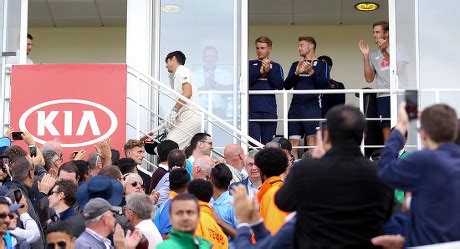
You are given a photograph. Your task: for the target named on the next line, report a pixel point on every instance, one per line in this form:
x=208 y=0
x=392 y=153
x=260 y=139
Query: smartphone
x=33 y=151
x=412 y=104
x=17 y=195
x=17 y=135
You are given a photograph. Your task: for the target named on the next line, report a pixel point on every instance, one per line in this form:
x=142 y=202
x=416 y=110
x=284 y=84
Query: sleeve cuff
x=242 y=225
x=25 y=216
x=257 y=222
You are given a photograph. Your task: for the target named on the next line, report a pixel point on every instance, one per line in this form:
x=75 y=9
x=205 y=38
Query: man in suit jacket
x=100 y=223
x=340 y=201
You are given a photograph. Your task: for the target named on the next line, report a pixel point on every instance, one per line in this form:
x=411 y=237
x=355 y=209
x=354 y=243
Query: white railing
x=162 y=88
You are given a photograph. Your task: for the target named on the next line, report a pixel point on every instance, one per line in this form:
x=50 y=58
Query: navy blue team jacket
x=273 y=80
x=318 y=80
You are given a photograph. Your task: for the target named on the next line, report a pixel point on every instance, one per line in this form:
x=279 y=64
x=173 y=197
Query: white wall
x=340 y=42
x=79 y=45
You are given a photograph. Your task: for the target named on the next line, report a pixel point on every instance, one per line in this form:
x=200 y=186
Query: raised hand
x=364 y=48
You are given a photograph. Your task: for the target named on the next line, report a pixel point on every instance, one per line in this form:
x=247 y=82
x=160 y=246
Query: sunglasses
x=60 y=245
x=134 y=184
x=4 y=215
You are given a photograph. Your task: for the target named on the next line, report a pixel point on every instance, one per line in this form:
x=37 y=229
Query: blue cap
x=5 y=143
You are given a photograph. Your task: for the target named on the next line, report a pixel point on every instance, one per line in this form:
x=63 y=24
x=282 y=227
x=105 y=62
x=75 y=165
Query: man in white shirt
x=182 y=121
x=139 y=208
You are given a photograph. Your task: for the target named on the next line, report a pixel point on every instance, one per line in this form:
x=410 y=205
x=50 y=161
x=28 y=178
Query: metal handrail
x=160 y=86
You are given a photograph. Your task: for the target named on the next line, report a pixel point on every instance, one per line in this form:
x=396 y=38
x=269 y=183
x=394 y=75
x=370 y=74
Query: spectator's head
x=99 y=216
x=139 y=207
x=58 y=235
x=94 y=164
x=345 y=124
x=14 y=152
x=306 y=45
x=52 y=154
x=251 y=167
x=178 y=180
x=164 y=148
x=184 y=213
x=4 y=216
x=271 y=162
x=112 y=172
x=284 y=144
x=263 y=47
x=328 y=60
x=221 y=176
x=173 y=60
x=133 y=183
x=63 y=195
x=234 y=155
x=126 y=165
x=68 y=171
x=381 y=30
x=434 y=131
x=201 y=144
x=176 y=158
x=201 y=168
x=134 y=149
x=22 y=171
x=100 y=186
x=201 y=189
x=82 y=170
x=30 y=43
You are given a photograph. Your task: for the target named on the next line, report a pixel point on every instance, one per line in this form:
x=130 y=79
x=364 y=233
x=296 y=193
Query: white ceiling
x=84 y=13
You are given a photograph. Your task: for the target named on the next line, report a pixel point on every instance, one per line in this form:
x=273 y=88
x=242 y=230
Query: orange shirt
x=208 y=228
x=272 y=215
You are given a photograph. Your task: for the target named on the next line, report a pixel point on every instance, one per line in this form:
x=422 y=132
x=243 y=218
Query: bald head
x=234 y=155
x=202 y=167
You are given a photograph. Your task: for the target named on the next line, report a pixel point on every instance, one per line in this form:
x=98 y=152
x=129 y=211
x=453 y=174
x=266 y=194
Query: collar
x=272 y=181
x=67 y=213
x=163 y=166
x=98 y=237
x=223 y=198
x=183 y=236
x=204 y=207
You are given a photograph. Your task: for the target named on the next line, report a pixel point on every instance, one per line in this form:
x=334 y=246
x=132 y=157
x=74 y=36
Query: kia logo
x=69 y=118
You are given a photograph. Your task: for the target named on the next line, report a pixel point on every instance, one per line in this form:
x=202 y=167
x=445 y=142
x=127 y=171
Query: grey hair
x=204 y=167
x=251 y=154
x=51 y=153
x=140 y=204
x=92 y=159
x=97 y=218
x=273 y=145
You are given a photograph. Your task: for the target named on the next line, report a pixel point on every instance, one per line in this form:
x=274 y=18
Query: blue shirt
x=161 y=219
x=433 y=177
x=188 y=167
x=224 y=209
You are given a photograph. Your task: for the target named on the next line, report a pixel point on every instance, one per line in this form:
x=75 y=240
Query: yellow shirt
x=208 y=228
x=272 y=215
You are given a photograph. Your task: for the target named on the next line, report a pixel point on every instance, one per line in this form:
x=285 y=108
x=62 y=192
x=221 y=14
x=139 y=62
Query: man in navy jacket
x=264 y=74
x=307 y=74
x=432 y=175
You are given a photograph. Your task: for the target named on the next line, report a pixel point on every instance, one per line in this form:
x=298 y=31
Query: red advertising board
x=76 y=105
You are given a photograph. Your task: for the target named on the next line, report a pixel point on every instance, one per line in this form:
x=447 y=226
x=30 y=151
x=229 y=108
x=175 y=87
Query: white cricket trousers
x=188 y=122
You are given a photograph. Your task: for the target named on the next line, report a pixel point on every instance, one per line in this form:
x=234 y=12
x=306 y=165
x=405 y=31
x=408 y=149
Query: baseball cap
x=96 y=207
x=284 y=143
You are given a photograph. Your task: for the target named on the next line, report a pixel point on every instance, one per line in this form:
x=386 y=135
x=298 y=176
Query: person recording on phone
x=330 y=100
x=430 y=174
x=307 y=74
x=264 y=74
